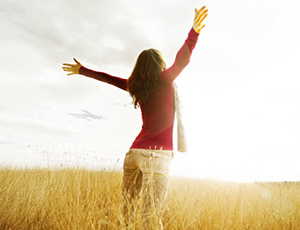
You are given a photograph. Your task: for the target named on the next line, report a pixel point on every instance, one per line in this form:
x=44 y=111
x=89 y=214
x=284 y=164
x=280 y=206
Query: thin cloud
x=86 y=115
x=122 y=104
x=4 y=143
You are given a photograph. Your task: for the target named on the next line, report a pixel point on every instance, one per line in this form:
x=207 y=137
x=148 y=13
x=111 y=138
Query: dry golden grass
x=81 y=199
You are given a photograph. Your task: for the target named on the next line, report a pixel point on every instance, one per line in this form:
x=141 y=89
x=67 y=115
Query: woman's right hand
x=200 y=15
x=72 y=68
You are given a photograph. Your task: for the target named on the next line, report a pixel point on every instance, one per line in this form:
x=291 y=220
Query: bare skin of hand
x=200 y=15
x=72 y=68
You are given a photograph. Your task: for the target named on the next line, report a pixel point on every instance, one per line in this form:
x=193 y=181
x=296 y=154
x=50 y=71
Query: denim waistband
x=156 y=153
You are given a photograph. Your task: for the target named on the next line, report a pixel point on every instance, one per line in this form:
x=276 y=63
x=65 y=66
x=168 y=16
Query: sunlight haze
x=240 y=91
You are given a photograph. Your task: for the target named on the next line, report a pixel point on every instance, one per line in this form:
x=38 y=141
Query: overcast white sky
x=241 y=91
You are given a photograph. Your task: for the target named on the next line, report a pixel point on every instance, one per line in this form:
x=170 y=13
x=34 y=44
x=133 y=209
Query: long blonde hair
x=145 y=76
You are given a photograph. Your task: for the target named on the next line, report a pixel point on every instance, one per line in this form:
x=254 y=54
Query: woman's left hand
x=72 y=68
x=200 y=15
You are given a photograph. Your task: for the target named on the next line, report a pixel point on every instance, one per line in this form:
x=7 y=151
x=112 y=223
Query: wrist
x=195 y=30
x=80 y=70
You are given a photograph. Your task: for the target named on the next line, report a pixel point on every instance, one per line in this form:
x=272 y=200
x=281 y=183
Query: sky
x=240 y=92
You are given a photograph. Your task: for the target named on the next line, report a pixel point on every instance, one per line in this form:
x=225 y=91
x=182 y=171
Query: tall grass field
x=82 y=199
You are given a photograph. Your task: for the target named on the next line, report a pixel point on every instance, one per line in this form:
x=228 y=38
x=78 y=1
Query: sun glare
x=232 y=136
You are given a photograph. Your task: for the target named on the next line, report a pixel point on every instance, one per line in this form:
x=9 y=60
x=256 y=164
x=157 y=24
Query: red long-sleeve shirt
x=157 y=111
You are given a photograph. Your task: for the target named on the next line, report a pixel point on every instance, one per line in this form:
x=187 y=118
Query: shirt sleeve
x=104 y=77
x=182 y=58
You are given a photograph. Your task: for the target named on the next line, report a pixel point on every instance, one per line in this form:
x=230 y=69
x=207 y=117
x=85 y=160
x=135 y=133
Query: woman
x=146 y=164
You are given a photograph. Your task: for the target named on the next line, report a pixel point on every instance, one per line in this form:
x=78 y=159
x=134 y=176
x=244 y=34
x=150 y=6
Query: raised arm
x=100 y=76
x=183 y=55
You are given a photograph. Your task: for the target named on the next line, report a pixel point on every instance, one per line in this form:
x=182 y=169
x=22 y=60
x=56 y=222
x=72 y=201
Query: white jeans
x=146 y=175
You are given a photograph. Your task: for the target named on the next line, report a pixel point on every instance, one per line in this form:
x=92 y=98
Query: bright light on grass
x=81 y=199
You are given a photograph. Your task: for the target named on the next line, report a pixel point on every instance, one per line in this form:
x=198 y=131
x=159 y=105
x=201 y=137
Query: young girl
x=146 y=164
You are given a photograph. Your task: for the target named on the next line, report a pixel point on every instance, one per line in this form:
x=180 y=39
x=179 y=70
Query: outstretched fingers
x=204 y=16
x=68 y=69
x=66 y=64
x=201 y=15
x=72 y=68
x=76 y=61
x=202 y=8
